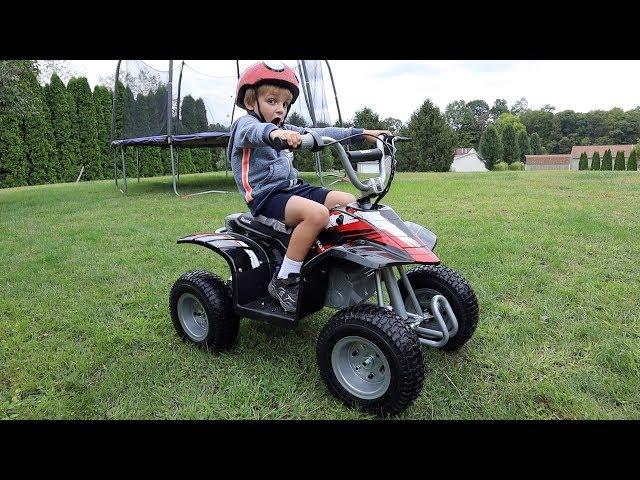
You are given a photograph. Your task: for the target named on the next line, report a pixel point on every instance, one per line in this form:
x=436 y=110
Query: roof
x=577 y=150
x=548 y=159
x=463 y=151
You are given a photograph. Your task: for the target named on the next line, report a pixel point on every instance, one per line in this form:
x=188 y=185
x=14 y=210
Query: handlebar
x=384 y=144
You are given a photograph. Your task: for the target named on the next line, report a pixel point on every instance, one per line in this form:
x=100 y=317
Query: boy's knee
x=320 y=216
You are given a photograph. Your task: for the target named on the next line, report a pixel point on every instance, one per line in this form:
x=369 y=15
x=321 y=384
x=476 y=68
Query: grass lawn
x=85 y=331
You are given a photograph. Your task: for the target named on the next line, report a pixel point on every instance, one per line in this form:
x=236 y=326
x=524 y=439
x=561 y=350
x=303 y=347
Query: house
x=577 y=150
x=548 y=162
x=467 y=160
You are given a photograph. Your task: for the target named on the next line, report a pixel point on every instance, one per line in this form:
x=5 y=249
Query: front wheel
x=369 y=358
x=430 y=280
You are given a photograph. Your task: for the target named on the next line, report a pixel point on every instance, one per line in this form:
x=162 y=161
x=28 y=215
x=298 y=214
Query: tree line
x=49 y=132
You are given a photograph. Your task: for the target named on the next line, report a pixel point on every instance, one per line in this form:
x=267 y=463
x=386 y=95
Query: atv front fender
x=313 y=288
x=248 y=262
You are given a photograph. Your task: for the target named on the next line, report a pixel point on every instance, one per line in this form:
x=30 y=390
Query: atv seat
x=270 y=227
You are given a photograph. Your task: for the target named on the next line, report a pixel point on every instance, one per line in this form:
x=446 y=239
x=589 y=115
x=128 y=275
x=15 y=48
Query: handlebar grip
x=279 y=144
x=307 y=142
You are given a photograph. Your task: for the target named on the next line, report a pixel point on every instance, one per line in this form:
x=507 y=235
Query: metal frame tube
x=409 y=288
x=114 y=114
x=379 y=289
x=124 y=170
x=138 y=164
x=394 y=292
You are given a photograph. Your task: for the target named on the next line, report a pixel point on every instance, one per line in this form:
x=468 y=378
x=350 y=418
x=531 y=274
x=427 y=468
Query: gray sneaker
x=285 y=290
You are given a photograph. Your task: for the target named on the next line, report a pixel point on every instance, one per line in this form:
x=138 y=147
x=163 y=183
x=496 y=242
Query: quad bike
x=369 y=353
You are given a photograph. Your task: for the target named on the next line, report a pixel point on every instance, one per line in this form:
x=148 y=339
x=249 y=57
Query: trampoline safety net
x=179 y=110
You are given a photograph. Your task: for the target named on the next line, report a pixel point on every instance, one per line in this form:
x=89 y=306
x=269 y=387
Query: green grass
x=85 y=331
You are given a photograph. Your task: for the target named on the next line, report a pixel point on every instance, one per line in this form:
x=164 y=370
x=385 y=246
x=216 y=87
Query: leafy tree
x=583 y=164
x=86 y=128
x=524 y=144
x=491 y=147
x=480 y=110
x=62 y=108
x=510 y=144
x=540 y=122
x=595 y=161
x=499 y=107
x=13 y=161
x=520 y=106
x=536 y=146
x=564 y=145
x=433 y=141
x=509 y=119
x=619 y=163
x=607 y=160
x=463 y=122
x=632 y=163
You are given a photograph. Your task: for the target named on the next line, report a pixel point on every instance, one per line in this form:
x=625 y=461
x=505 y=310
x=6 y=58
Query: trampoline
x=149 y=113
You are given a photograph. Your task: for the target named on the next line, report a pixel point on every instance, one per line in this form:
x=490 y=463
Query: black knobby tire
x=456 y=290
x=394 y=339
x=215 y=296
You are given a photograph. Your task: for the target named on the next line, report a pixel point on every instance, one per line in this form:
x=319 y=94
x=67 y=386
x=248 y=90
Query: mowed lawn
x=85 y=331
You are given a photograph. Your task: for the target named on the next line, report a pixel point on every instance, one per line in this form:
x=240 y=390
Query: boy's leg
x=335 y=197
x=308 y=219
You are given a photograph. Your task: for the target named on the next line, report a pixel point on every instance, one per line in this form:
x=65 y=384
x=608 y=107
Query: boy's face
x=273 y=102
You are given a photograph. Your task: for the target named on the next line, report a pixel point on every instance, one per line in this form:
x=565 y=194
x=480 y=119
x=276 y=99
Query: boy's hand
x=292 y=138
x=367 y=134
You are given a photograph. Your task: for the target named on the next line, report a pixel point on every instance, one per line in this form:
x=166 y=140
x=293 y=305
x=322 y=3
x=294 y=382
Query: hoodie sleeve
x=334 y=132
x=250 y=132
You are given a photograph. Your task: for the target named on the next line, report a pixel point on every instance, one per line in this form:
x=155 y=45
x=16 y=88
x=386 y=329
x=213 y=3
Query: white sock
x=289 y=266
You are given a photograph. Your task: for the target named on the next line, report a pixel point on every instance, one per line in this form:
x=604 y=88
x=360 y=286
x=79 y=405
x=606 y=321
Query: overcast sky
x=396 y=88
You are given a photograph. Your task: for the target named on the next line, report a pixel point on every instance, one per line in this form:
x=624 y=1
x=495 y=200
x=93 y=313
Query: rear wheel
x=430 y=280
x=369 y=358
x=202 y=310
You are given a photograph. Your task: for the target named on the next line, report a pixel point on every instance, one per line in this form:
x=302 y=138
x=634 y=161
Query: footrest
x=268 y=309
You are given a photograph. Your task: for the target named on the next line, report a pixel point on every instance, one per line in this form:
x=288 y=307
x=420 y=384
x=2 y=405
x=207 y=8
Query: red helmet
x=275 y=73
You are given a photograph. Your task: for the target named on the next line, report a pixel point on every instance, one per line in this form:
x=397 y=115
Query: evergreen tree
x=536 y=144
x=619 y=163
x=524 y=145
x=86 y=127
x=595 y=161
x=490 y=147
x=433 y=140
x=102 y=99
x=62 y=108
x=13 y=159
x=632 y=163
x=509 y=143
x=201 y=156
x=607 y=161
x=39 y=140
x=583 y=164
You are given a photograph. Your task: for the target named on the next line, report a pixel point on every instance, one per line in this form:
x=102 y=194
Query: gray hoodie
x=258 y=168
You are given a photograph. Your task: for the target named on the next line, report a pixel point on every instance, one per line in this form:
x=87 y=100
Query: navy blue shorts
x=273 y=206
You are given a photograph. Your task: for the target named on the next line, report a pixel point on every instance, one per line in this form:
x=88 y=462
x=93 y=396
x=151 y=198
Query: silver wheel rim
x=360 y=367
x=424 y=296
x=193 y=317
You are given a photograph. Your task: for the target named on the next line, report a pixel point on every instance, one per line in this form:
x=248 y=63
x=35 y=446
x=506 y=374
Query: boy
x=267 y=179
